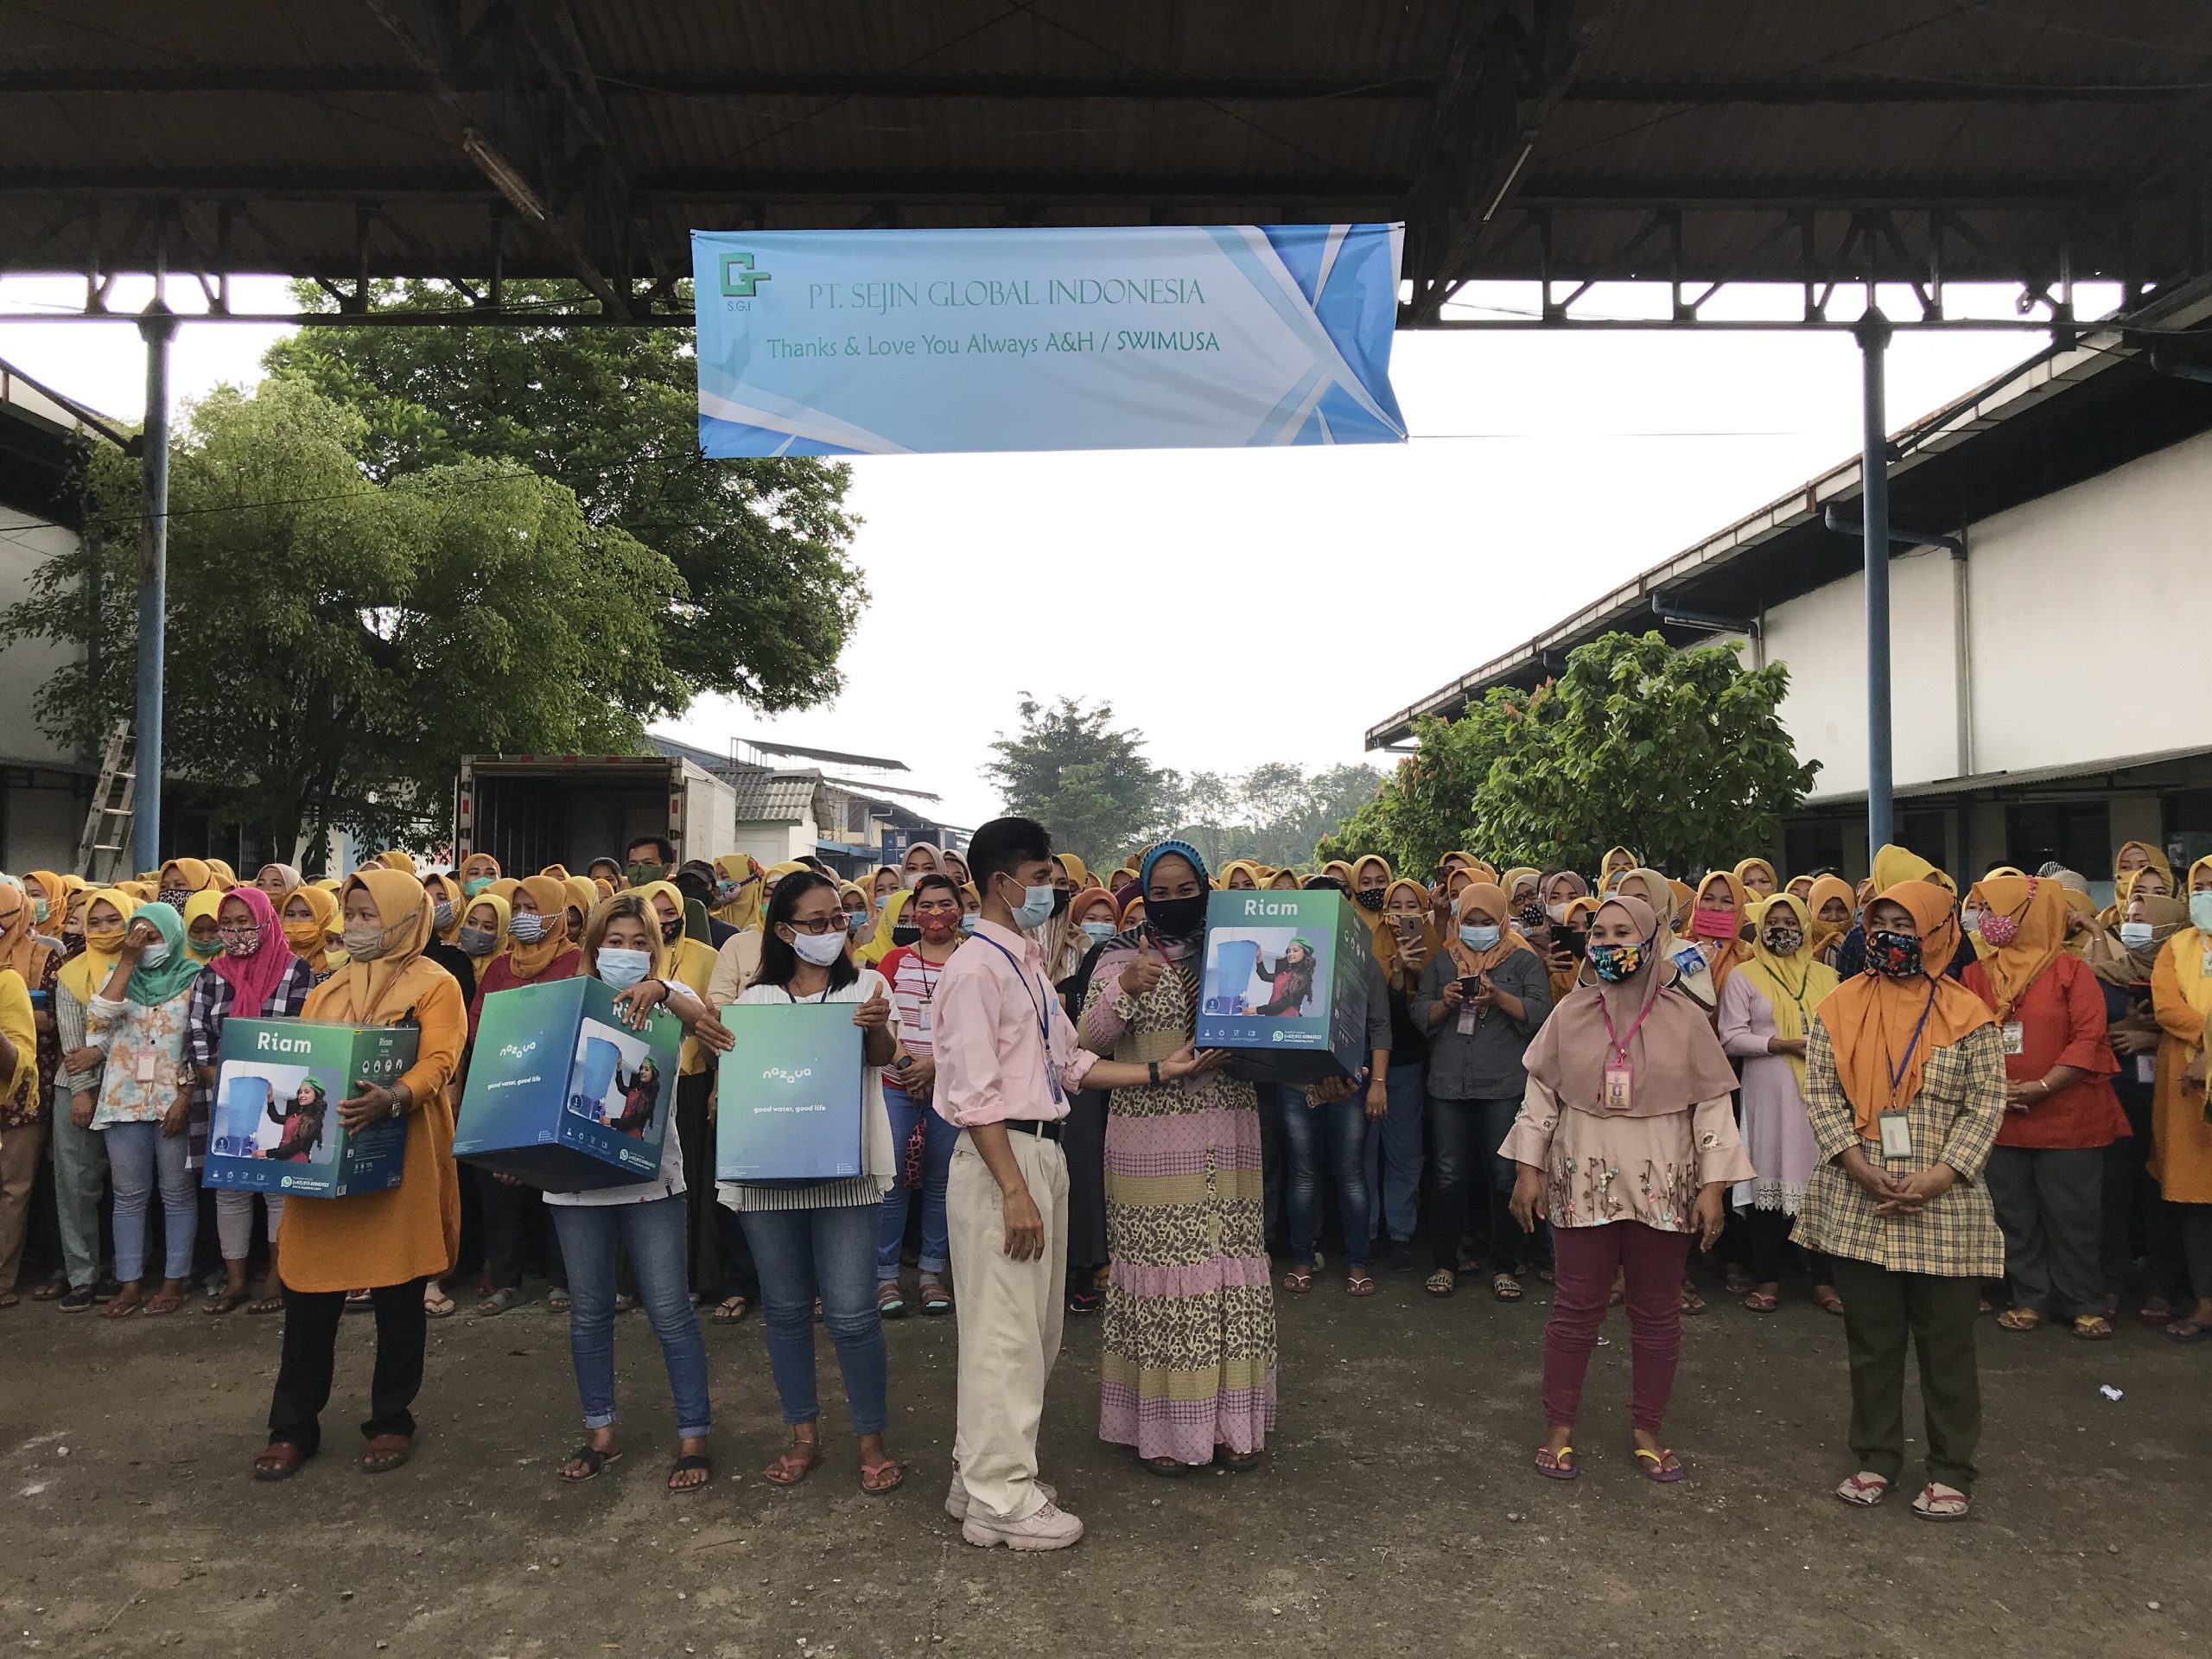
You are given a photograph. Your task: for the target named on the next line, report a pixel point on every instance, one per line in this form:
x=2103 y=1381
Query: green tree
x=334 y=642
x=768 y=596
x=1274 y=813
x=1680 y=754
x=1071 y=769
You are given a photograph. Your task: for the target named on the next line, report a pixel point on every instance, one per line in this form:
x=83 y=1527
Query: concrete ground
x=1396 y=1512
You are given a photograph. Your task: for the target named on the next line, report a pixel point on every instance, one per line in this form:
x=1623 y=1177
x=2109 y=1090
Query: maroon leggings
x=1653 y=1263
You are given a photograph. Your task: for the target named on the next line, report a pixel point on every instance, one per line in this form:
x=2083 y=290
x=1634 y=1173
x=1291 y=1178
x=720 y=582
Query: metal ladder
x=104 y=850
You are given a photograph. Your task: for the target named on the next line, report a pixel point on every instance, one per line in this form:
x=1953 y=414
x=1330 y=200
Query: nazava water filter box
x=1284 y=984
x=278 y=1086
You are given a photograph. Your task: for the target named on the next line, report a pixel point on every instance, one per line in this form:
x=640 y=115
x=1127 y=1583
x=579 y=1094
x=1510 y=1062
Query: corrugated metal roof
x=774 y=797
x=2001 y=139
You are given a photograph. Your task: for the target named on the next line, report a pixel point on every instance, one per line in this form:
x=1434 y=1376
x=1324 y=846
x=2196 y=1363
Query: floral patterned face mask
x=1896 y=955
x=1614 y=962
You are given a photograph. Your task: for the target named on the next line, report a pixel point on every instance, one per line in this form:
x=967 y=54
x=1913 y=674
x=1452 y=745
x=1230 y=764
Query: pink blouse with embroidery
x=1599 y=1170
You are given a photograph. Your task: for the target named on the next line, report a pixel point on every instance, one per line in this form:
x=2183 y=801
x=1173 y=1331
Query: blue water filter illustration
x=1237 y=959
x=243 y=1100
x=595 y=1071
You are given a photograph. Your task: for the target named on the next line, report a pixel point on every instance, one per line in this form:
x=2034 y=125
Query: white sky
x=1245 y=605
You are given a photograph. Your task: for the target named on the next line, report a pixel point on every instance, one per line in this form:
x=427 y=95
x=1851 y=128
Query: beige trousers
x=19 y=1159
x=1010 y=1314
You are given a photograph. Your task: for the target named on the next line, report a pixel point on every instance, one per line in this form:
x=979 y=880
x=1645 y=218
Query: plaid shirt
x=1954 y=1119
x=213 y=997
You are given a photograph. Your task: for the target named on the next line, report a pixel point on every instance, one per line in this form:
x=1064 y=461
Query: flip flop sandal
x=2157 y=1310
x=224 y=1304
x=385 y=1452
x=1737 y=1282
x=558 y=1300
x=161 y=1305
x=1359 y=1284
x=2188 y=1332
x=780 y=1472
x=1506 y=1288
x=1557 y=1466
x=1762 y=1301
x=1298 y=1281
x=1236 y=1463
x=1692 y=1303
x=1940 y=1503
x=898 y=1478
x=1442 y=1282
x=266 y=1304
x=436 y=1305
x=54 y=1289
x=685 y=1466
x=2019 y=1318
x=358 y=1301
x=935 y=1299
x=1830 y=1303
x=281 y=1461
x=1657 y=1468
x=731 y=1310
x=1165 y=1468
x=592 y=1460
x=1863 y=1489
x=2092 y=1328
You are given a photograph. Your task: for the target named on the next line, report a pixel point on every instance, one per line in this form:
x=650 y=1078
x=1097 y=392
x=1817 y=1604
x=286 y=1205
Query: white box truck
x=528 y=810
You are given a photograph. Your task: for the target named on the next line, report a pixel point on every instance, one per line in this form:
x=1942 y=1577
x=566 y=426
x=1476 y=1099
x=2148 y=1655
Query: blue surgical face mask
x=1036 y=906
x=967 y=922
x=2137 y=935
x=1100 y=932
x=623 y=969
x=2200 y=911
x=1479 y=938
x=154 y=954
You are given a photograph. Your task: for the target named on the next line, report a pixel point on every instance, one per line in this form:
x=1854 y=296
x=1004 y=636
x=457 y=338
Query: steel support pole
x=158 y=325
x=1874 y=474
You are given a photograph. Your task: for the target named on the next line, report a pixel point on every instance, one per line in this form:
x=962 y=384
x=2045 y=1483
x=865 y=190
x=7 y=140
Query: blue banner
x=896 y=342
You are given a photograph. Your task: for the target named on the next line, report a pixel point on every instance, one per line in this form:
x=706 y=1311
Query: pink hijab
x=253 y=978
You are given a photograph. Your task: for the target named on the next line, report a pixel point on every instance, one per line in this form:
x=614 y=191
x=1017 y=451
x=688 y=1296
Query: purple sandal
x=1557 y=1466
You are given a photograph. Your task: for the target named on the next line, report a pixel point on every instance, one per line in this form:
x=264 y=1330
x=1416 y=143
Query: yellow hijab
x=85 y=972
x=1773 y=875
x=1894 y=864
x=1793 y=985
x=225 y=878
x=500 y=942
x=193 y=873
x=1372 y=917
x=1825 y=888
x=1252 y=871
x=1617 y=859
x=550 y=895
x=744 y=910
x=312 y=946
x=879 y=944
x=2038 y=908
x=18 y=949
x=1386 y=937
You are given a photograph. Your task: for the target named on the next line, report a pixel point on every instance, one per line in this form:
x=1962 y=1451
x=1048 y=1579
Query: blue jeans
x=831 y=1253
x=653 y=1232
x=938 y=1140
x=139 y=1155
x=1341 y=1129
x=1393 y=1156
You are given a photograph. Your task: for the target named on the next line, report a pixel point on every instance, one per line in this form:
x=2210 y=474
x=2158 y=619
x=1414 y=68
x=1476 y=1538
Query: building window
x=1815 y=846
x=1927 y=832
x=2188 y=817
x=2078 y=834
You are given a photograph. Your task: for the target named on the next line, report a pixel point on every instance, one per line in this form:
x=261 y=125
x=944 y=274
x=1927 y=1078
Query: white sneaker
x=956 y=1496
x=1050 y=1527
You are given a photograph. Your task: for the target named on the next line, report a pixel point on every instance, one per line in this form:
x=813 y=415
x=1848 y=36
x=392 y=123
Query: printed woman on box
x=256 y=977
x=624 y=947
x=300 y=1123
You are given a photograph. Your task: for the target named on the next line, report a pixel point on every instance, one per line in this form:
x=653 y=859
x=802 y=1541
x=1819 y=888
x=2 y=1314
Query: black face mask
x=672 y=931
x=1060 y=897
x=1370 y=898
x=903 y=934
x=1176 y=919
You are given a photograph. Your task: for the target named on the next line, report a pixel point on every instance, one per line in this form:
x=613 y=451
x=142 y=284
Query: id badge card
x=2015 y=1038
x=148 y=1061
x=922 y=1020
x=1052 y=1076
x=1897 y=1135
x=1467 y=1025
x=1616 y=1092
x=2146 y=1068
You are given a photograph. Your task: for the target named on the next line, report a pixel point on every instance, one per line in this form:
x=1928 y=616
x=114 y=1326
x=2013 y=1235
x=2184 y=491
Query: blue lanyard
x=1897 y=1075
x=1044 y=1020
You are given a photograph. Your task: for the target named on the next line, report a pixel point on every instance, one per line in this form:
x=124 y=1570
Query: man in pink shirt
x=1007 y=1060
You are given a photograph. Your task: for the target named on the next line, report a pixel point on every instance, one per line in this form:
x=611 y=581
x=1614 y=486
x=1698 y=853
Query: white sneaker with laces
x=1050 y=1527
x=956 y=1496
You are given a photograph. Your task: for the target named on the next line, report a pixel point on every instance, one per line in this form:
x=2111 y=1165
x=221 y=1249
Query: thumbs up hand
x=1141 y=975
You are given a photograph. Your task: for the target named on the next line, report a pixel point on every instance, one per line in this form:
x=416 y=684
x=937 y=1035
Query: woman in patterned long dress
x=1190 y=1339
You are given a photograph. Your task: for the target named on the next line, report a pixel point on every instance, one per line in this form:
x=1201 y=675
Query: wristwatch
x=1152 y=1069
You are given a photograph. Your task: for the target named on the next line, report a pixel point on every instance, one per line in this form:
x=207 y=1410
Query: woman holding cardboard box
x=391 y=1241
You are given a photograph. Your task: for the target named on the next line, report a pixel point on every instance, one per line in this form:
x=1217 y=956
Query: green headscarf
x=151 y=987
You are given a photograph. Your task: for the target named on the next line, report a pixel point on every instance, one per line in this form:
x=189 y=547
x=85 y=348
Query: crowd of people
x=1931 y=1104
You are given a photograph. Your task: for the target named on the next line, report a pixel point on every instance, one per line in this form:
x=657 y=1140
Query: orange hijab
x=1731 y=953
x=1870 y=1018
x=1386 y=937
x=1825 y=888
x=551 y=898
x=381 y=992
x=2036 y=908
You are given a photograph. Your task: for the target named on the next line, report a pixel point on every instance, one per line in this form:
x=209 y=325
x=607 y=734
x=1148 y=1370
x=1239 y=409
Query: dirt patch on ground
x=1396 y=1513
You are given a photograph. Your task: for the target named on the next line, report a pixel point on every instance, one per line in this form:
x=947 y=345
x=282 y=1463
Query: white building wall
x=2065 y=597
x=1822 y=638
x=44 y=811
